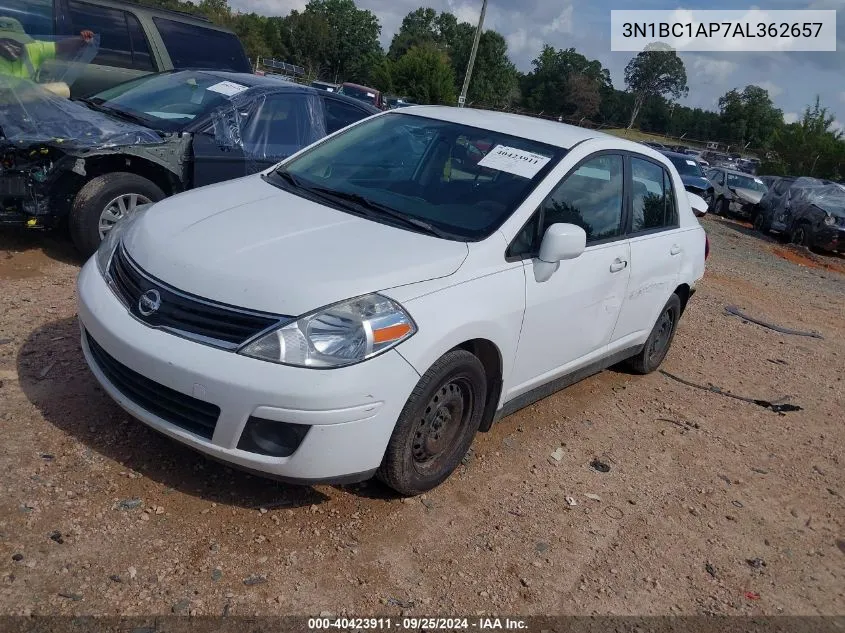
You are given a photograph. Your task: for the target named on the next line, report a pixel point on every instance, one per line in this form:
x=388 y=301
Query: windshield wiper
x=373 y=208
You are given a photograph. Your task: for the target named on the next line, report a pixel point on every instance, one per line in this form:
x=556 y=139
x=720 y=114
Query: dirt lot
x=711 y=505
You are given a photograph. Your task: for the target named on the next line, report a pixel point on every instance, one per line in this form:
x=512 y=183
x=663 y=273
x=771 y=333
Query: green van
x=133 y=40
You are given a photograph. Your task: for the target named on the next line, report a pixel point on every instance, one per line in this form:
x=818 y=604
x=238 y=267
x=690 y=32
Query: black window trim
x=627 y=214
x=660 y=229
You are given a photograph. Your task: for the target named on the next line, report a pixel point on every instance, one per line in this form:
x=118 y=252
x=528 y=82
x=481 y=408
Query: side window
x=120 y=35
x=590 y=197
x=275 y=126
x=652 y=199
x=191 y=46
x=340 y=114
x=34 y=16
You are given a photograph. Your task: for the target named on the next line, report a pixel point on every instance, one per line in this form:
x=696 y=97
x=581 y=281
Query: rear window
x=35 y=16
x=191 y=46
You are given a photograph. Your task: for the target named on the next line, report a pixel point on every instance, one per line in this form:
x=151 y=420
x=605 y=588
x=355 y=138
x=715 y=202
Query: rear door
x=340 y=113
x=123 y=52
x=656 y=247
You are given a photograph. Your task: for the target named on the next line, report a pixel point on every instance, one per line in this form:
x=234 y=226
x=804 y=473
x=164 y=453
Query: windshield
x=686 y=166
x=736 y=181
x=168 y=101
x=364 y=94
x=460 y=180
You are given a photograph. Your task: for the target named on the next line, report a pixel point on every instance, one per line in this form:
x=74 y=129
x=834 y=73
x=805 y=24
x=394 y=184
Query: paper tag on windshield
x=691 y=162
x=228 y=88
x=371 y=94
x=758 y=181
x=514 y=161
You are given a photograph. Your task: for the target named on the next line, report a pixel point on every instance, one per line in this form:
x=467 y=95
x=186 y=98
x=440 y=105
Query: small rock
x=130 y=504
x=115 y=578
x=840 y=543
x=524 y=582
x=590 y=495
x=794 y=512
x=755 y=563
x=541 y=547
x=255 y=579
x=737 y=504
x=132 y=573
x=76 y=597
x=600 y=466
x=326 y=614
x=181 y=607
x=558 y=454
x=159 y=510
x=56 y=537
x=710 y=569
x=483 y=594
x=570 y=501
x=17 y=557
x=216 y=574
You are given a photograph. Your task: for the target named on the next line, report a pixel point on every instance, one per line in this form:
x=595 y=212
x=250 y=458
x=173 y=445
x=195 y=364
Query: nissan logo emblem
x=149 y=302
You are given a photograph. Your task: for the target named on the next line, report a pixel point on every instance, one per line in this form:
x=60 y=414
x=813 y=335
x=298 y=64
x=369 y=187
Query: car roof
x=677 y=155
x=533 y=128
x=263 y=83
x=362 y=87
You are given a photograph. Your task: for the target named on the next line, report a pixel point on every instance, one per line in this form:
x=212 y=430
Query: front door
x=570 y=317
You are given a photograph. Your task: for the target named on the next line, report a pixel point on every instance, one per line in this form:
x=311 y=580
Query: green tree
x=493 y=77
x=749 y=117
x=554 y=85
x=307 y=39
x=353 y=38
x=655 y=72
x=425 y=76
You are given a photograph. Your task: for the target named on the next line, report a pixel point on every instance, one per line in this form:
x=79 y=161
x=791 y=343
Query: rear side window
x=35 y=16
x=122 y=42
x=339 y=114
x=191 y=46
x=653 y=198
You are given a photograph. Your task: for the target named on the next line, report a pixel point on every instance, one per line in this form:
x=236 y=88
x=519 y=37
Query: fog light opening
x=269 y=437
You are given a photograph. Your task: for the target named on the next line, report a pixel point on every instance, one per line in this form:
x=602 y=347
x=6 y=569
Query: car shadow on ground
x=55 y=378
x=50 y=245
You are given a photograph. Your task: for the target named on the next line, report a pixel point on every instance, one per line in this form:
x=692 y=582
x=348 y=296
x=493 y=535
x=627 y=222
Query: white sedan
x=368 y=305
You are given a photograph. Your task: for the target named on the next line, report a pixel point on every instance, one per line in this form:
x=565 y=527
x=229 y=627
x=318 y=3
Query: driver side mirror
x=560 y=242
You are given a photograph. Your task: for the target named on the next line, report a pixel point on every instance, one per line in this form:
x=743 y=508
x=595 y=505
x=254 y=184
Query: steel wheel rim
x=664 y=331
x=120 y=207
x=439 y=426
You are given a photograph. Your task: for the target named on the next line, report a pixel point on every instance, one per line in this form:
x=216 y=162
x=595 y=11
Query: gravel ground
x=711 y=504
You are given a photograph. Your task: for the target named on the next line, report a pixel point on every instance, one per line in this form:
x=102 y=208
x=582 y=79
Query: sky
x=793 y=79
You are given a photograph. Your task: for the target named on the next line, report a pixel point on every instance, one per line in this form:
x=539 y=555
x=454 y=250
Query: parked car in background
x=94 y=161
x=393 y=102
x=811 y=212
x=325 y=85
x=362 y=93
x=134 y=40
x=734 y=192
x=776 y=190
x=425 y=303
x=691 y=175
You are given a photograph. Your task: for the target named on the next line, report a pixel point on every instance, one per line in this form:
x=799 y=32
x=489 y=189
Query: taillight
x=706 y=247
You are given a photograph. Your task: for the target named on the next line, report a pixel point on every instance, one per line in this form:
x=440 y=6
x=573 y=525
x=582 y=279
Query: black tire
x=437 y=425
x=93 y=199
x=760 y=223
x=723 y=206
x=800 y=234
x=660 y=339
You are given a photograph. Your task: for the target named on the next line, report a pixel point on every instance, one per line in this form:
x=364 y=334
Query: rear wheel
x=104 y=201
x=760 y=223
x=660 y=339
x=437 y=425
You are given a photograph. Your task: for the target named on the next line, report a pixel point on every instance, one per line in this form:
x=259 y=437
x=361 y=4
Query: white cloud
x=790 y=117
x=519 y=41
x=773 y=88
x=561 y=24
x=716 y=70
x=837 y=126
x=469 y=12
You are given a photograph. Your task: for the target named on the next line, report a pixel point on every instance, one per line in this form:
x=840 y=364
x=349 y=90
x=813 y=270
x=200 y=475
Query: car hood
x=249 y=244
x=695 y=181
x=748 y=195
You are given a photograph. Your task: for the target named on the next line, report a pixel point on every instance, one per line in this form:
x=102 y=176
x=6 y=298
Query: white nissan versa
x=370 y=303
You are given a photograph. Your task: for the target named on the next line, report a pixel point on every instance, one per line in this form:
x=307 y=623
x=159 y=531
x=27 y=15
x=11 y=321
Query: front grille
x=184 y=411
x=200 y=319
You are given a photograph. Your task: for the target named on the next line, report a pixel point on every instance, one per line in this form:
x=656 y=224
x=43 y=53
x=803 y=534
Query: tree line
x=426 y=61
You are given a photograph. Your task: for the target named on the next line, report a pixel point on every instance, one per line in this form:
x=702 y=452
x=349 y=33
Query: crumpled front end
x=26 y=177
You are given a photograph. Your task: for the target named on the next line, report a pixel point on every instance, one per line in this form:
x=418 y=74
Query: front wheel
x=104 y=201
x=660 y=339
x=760 y=223
x=437 y=425
x=800 y=235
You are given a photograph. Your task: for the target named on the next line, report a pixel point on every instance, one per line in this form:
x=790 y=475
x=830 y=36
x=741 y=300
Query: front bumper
x=742 y=208
x=352 y=410
x=829 y=238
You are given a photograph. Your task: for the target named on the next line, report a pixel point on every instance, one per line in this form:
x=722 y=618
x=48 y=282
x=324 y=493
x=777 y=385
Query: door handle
x=675 y=249
x=618 y=264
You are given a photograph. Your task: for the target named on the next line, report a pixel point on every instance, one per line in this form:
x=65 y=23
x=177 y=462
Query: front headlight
x=830 y=220
x=341 y=334
x=112 y=239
